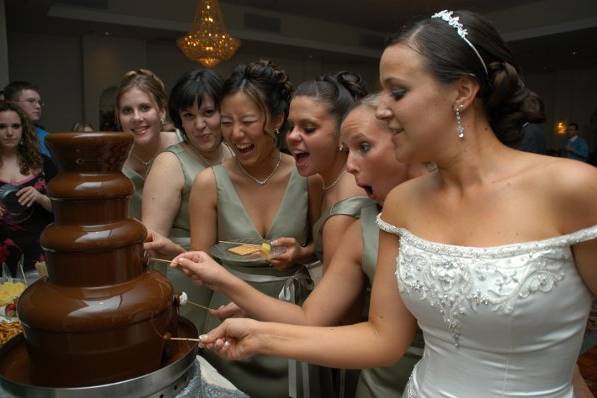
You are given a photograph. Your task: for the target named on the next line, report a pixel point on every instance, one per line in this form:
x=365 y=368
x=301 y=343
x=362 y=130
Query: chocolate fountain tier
x=100 y=316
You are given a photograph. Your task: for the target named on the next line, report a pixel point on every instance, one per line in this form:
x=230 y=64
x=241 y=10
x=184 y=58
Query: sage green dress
x=180 y=233
x=135 y=200
x=389 y=381
x=341 y=382
x=264 y=376
x=347 y=207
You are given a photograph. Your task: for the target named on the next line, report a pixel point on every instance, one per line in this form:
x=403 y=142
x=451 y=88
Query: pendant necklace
x=327 y=187
x=257 y=180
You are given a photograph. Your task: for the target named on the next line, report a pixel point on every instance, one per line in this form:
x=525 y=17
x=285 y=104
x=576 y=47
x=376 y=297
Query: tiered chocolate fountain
x=99 y=323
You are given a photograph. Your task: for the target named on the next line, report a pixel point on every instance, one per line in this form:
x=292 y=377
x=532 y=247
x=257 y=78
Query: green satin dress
x=338 y=382
x=135 y=200
x=347 y=207
x=264 y=376
x=389 y=381
x=180 y=233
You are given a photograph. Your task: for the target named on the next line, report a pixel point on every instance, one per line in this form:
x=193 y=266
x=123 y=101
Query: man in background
x=576 y=147
x=27 y=97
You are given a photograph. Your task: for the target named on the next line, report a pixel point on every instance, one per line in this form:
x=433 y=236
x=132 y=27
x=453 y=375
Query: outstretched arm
x=326 y=305
x=379 y=342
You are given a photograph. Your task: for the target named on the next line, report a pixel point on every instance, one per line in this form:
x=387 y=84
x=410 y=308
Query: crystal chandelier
x=208 y=42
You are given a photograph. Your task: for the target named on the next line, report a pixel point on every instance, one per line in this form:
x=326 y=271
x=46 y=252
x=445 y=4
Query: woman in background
x=25 y=210
x=141 y=110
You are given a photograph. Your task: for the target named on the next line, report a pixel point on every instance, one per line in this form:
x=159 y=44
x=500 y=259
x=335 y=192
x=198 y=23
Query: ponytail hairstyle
x=146 y=81
x=339 y=91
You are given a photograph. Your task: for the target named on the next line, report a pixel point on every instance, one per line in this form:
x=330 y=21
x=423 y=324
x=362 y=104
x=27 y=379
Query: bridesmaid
x=141 y=110
x=372 y=162
x=255 y=196
x=316 y=111
x=194 y=109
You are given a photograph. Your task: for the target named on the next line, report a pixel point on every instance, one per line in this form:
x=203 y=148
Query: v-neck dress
x=262 y=376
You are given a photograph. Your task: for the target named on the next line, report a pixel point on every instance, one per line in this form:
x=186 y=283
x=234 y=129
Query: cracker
x=244 y=250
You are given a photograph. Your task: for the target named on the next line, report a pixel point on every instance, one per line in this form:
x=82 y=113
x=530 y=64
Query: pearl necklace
x=256 y=180
x=333 y=183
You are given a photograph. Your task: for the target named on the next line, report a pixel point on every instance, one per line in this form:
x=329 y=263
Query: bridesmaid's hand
x=234 y=339
x=290 y=251
x=158 y=246
x=230 y=310
x=200 y=267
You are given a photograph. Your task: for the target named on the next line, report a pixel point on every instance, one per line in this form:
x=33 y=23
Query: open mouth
x=244 y=148
x=300 y=156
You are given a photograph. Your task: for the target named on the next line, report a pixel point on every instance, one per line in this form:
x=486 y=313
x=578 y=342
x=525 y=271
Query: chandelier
x=208 y=42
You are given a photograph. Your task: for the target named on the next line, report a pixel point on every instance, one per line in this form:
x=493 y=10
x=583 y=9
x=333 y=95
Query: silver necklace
x=257 y=180
x=143 y=162
x=333 y=183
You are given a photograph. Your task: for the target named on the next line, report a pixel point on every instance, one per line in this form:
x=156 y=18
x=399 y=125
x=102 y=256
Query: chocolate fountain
x=100 y=323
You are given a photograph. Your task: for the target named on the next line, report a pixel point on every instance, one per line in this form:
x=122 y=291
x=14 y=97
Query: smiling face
x=417 y=108
x=201 y=125
x=244 y=128
x=11 y=130
x=371 y=153
x=313 y=136
x=139 y=114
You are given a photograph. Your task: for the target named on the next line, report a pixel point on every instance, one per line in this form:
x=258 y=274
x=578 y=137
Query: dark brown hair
x=508 y=102
x=29 y=157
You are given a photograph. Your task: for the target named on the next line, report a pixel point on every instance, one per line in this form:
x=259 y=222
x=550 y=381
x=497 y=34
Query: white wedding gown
x=504 y=321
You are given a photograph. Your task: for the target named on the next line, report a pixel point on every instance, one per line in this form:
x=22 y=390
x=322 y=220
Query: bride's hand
x=234 y=339
x=200 y=267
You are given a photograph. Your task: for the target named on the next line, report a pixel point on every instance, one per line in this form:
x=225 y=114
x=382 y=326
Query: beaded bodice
x=512 y=315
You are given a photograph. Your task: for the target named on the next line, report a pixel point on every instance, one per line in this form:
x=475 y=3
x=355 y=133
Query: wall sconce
x=560 y=127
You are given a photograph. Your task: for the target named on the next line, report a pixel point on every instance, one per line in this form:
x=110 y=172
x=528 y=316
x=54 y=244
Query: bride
x=493 y=255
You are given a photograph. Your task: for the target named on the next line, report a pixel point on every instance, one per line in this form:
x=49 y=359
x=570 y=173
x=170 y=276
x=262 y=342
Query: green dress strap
x=346 y=207
x=370 y=239
x=191 y=166
x=135 y=199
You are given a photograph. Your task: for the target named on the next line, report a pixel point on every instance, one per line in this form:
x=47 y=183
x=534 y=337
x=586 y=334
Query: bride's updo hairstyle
x=339 y=91
x=508 y=103
x=267 y=86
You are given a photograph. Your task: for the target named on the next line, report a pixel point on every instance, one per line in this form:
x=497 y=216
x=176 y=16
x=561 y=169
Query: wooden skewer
x=184 y=339
x=160 y=260
x=198 y=305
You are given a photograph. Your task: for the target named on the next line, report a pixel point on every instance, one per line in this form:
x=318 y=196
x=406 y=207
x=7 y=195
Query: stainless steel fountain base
x=165 y=382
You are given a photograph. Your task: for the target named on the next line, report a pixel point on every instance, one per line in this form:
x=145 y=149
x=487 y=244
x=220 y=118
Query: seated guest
x=27 y=97
x=25 y=209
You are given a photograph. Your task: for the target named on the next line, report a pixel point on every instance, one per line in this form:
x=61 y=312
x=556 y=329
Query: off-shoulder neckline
x=509 y=248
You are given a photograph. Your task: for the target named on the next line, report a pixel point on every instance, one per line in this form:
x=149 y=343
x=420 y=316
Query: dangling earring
x=277 y=131
x=459 y=124
x=162 y=123
x=340 y=147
